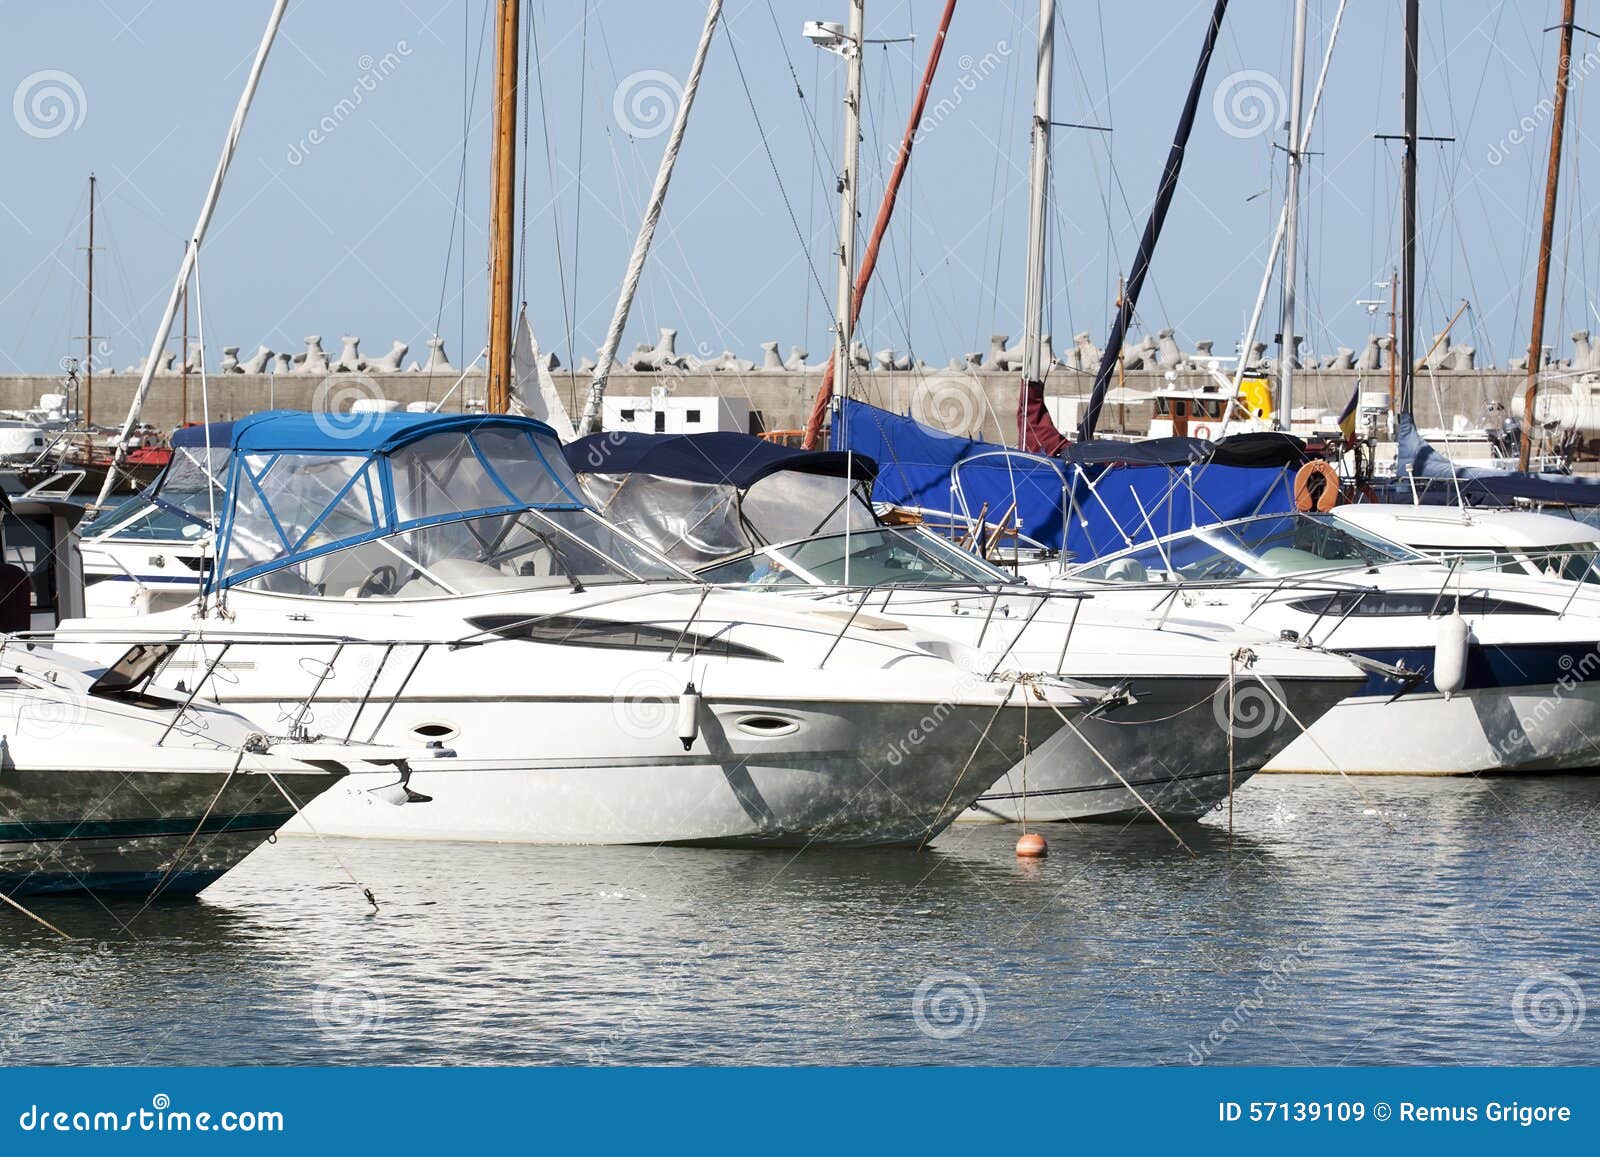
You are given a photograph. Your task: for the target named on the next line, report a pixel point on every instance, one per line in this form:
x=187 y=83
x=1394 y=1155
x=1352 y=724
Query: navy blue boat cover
x=722 y=458
x=1115 y=493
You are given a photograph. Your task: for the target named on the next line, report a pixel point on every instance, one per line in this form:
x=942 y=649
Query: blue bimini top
x=301 y=485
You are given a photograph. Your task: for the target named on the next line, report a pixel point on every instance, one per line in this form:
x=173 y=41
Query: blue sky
x=362 y=232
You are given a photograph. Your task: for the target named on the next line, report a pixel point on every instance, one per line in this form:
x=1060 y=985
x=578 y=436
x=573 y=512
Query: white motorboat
x=1501 y=672
x=110 y=785
x=428 y=577
x=150 y=552
x=802 y=524
x=1512 y=541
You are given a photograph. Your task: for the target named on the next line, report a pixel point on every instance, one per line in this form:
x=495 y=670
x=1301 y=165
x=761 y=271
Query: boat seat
x=16 y=598
x=464 y=575
x=1127 y=570
x=1288 y=560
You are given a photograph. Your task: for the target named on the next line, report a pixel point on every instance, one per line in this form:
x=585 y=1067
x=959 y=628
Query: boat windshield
x=1578 y=561
x=177 y=507
x=886 y=556
x=1269 y=546
x=521 y=550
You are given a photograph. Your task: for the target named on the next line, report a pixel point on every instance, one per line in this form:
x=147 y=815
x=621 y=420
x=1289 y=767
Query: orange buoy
x=1032 y=847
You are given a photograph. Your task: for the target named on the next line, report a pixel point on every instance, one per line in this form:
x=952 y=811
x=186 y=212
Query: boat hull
x=1171 y=748
x=124 y=831
x=578 y=772
x=1478 y=731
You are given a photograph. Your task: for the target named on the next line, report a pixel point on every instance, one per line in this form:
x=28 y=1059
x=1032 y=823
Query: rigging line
x=555 y=184
x=766 y=147
x=577 y=212
x=469 y=100
x=818 y=141
x=1008 y=116
x=522 y=156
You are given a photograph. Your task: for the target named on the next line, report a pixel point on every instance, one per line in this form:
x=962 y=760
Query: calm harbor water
x=1431 y=922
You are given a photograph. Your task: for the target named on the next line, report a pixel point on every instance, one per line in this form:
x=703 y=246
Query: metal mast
x=1033 y=368
x=164 y=329
x=1408 y=214
x=1291 y=221
x=852 y=48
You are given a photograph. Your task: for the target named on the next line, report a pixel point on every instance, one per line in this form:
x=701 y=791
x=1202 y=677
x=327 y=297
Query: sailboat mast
x=822 y=402
x=1033 y=368
x=1152 y=228
x=844 y=308
x=1408 y=213
x=502 y=209
x=1291 y=223
x=88 y=329
x=590 y=420
x=186 y=270
x=1546 y=237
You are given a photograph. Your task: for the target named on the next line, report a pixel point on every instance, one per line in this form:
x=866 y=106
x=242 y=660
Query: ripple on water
x=1393 y=926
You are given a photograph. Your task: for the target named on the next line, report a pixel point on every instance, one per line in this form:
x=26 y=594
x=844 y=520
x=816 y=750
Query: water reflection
x=1390 y=926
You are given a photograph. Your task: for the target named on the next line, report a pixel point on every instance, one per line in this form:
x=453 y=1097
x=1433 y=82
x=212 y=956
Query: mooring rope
x=188 y=843
x=365 y=891
x=34 y=916
x=982 y=739
x=1112 y=769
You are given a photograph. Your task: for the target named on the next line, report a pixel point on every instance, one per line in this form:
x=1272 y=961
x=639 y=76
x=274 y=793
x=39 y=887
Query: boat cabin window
x=882 y=557
x=527 y=550
x=1264 y=547
x=1576 y=562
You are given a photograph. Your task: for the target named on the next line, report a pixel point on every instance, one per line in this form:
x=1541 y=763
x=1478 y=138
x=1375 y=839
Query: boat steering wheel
x=382 y=582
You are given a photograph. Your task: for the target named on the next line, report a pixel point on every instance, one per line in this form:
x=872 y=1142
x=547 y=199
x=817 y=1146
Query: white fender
x=1450 y=655
x=689 y=716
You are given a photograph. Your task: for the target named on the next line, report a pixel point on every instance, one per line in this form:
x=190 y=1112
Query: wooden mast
x=1541 y=287
x=502 y=210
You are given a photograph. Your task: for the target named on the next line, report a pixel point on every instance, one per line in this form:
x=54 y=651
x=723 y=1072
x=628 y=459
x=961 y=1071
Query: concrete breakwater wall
x=975 y=402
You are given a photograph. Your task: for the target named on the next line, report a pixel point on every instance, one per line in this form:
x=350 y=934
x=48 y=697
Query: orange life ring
x=1200 y=431
x=1328 y=498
